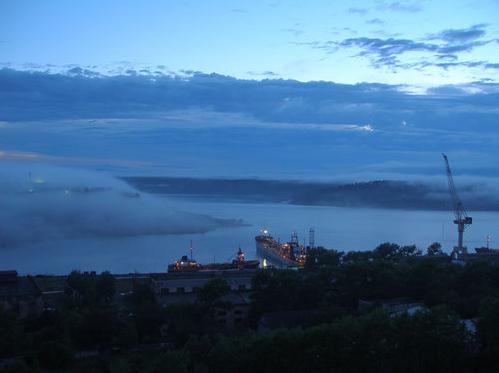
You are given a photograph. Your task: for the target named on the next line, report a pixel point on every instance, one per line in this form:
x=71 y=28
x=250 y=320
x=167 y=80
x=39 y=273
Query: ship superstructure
x=186 y=264
x=287 y=254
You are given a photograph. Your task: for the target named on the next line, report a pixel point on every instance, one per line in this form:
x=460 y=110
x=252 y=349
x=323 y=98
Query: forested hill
x=376 y=194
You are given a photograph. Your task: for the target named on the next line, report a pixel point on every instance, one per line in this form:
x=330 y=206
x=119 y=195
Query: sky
x=304 y=90
x=417 y=43
x=271 y=89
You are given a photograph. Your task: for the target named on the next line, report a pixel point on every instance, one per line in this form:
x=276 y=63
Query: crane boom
x=462 y=220
x=459 y=210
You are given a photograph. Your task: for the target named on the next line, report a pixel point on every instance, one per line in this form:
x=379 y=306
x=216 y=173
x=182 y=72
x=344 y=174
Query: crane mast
x=462 y=220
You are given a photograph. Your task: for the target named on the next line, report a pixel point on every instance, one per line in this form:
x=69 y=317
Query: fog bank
x=43 y=203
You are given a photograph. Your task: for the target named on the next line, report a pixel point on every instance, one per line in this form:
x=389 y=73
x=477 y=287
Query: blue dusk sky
x=418 y=43
x=282 y=89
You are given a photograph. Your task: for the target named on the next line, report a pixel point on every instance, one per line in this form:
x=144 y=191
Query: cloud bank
x=438 y=49
x=44 y=203
x=214 y=125
x=30 y=96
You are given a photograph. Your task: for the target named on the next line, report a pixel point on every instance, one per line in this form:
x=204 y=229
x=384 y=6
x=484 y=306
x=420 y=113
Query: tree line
x=457 y=330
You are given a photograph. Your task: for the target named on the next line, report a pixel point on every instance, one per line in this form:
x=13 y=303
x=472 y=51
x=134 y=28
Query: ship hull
x=268 y=249
x=249 y=264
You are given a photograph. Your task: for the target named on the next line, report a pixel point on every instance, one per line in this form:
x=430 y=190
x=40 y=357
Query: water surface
x=339 y=228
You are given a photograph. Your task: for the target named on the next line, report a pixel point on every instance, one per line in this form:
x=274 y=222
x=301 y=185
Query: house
x=393 y=306
x=20 y=294
x=181 y=287
x=232 y=310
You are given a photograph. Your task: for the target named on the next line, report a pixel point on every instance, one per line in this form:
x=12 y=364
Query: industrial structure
x=186 y=264
x=462 y=220
x=286 y=255
x=311 y=238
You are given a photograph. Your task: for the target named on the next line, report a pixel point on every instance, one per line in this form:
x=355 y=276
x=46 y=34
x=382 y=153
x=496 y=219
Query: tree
x=106 y=286
x=142 y=295
x=320 y=256
x=434 y=249
x=488 y=328
x=95 y=327
x=8 y=332
x=54 y=355
x=185 y=320
x=357 y=256
x=386 y=250
x=433 y=341
x=173 y=361
x=212 y=290
x=408 y=251
x=84 y=286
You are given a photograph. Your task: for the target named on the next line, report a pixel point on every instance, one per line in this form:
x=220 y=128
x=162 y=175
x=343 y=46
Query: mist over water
x=339 y=228
x=109 y=228
x=44 y=204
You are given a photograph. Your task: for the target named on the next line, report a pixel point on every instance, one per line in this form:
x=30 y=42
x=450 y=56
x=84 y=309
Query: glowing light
x=367 y=128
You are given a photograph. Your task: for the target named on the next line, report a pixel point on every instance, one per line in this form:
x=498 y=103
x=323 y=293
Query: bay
x=339 y=228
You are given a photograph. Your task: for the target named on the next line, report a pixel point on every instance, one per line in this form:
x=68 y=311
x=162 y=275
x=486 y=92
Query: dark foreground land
x=374 y=194
x=387 y=310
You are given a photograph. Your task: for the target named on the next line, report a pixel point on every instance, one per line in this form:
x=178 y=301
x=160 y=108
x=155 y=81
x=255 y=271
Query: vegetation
x=378 y=193
x=340 y=336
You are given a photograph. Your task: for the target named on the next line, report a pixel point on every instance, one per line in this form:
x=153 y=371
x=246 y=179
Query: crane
x=462 y=220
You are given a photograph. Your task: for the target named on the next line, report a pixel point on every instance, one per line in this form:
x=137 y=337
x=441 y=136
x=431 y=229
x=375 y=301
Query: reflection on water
x=339 y=228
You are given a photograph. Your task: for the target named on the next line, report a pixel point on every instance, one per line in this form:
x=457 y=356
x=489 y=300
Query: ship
x=487 y=250
x=288 y=254
x=186 y=264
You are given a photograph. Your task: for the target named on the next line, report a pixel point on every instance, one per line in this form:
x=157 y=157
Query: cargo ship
x=288 y=254
x=486 y=250
x=188 y=264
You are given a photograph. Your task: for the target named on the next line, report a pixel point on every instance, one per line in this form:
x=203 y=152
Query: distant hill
x=377 y=194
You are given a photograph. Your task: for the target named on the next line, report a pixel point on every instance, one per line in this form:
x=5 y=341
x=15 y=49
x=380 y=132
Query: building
x=20 y=294
x=393 y=306
x=232 y=311
x=178 y=287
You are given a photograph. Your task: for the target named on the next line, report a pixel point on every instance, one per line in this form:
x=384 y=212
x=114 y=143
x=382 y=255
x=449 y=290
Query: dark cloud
x=268 y=73
x=443 y=46
x=213 y=125
x=387 y=47
x=82 y=72
x=401 y=6
x=132 y=72
x=447 y=57
x=375 y=21
x=462 y=47
x=453 y=36
x=385 y=51
x=39 y=96
x=448 y=65
x=294 y=31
